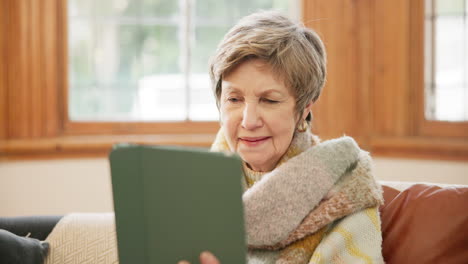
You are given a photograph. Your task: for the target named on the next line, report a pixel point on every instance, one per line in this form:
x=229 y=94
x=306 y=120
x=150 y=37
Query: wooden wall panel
x=31 y=56
x=391 y=95
x=35 y=96
x=18 y=72
x=3 y=69
x=339 y=110
x=368 y=91
x=54 y=37
x=364 y=70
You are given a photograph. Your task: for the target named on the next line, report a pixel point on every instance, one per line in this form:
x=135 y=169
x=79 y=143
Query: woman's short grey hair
x=295 y=53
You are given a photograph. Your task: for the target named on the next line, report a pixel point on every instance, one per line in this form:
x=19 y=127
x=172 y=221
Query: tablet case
x=172 y=203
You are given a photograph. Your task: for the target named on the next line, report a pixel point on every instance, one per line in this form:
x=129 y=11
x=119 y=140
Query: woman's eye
x=270 y=101
x=233 y=99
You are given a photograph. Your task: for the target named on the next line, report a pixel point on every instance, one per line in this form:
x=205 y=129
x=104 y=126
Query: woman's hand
x=206 y=257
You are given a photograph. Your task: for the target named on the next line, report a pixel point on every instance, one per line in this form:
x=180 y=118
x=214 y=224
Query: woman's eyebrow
x=271 y=91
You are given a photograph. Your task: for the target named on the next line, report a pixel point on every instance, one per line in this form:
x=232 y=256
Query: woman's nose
x=251 y=118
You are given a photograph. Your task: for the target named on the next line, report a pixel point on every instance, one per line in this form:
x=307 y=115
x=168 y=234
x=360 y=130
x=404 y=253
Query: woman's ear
x=307 y=110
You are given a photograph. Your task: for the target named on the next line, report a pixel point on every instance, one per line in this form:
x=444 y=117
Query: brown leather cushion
x=425 y=224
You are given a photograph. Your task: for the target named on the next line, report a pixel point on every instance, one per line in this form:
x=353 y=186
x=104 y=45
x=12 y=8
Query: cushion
x=425 y=224
x=15 y=249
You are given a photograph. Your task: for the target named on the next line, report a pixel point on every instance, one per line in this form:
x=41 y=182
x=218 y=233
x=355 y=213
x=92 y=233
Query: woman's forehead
x=253 y=76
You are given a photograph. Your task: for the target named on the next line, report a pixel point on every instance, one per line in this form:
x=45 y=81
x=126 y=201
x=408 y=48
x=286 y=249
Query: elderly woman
x=304 y=201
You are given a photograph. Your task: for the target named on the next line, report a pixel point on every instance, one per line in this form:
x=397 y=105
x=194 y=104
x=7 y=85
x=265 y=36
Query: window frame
x=71 y=127
x=34 y=95
x=363 y=69
x=425 y=127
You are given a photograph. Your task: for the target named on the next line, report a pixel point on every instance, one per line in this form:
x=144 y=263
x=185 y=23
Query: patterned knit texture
x=83 y=238
x=283 y=197
x=289 y=210
x=354 y=191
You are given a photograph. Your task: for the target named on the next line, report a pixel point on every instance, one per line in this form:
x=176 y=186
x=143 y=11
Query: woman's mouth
x=253 y=141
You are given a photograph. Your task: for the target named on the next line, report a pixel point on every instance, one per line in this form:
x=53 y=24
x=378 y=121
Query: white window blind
x=446 y=60
x=147 y=60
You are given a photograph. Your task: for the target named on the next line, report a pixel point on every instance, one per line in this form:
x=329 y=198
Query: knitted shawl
x=319 y=205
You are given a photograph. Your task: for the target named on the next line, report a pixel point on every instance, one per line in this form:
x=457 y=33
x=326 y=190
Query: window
x=147 y=60
x=446 y=53
x=375 y=90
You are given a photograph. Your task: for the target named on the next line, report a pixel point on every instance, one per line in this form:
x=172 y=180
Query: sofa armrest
x=38 y=227
x=425 y=223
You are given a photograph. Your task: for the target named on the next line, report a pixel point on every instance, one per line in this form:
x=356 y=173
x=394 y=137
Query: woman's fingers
x=208 y=258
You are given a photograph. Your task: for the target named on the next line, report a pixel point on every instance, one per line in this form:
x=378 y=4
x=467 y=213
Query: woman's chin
x=257 y=163
x=259 y=159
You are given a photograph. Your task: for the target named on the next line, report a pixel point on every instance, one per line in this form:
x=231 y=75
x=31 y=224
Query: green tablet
x=172 y=203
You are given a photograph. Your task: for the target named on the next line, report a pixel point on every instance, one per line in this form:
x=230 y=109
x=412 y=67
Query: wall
x=62 y=186
x=55 y=187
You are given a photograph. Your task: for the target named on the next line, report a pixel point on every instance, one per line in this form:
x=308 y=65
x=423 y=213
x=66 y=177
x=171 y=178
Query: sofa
x=424 y=223
x=421 y=223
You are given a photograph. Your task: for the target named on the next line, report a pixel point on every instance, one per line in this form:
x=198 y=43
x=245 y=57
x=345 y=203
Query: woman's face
x=257 y=114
